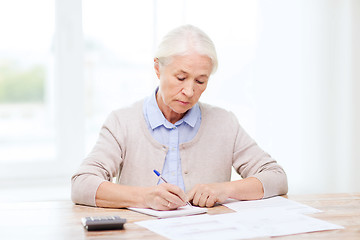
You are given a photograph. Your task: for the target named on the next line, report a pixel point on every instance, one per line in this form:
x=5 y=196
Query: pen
x=159 y=175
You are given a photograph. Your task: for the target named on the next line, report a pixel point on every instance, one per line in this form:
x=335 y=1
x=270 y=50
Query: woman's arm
x=262 y=176
x=206 y=195
x=161 y=197
x=92 y=183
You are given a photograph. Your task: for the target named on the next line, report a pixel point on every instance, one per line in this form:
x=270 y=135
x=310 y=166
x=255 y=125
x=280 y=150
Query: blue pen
x=159 y=175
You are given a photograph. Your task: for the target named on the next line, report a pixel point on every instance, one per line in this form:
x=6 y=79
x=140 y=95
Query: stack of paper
x=182 y=211
x=269 y=217
x=274 y=203
x=238 y=225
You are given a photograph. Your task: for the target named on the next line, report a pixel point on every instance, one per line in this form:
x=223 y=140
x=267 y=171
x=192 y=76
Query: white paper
x=276 y=203
x=261 y=218
x=182 y=211
x=209 y=227
x=249 y=224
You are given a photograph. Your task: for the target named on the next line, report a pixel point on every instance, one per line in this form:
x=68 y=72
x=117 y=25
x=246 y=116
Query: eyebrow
x=182 y=71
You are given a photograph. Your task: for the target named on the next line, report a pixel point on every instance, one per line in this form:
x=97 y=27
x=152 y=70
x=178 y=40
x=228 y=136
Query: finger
x=210 y=201
x=190 y=194
x=167 y=206
x=158 y=197
x=203 y=199
x=163 y=202
x=160 y=204
x=178 y=192
x=174 y=194
x=174 y=200
x=171 y=206
x=197 y=197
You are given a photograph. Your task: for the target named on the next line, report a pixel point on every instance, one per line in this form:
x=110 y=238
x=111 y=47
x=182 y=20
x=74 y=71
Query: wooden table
x=61 y=219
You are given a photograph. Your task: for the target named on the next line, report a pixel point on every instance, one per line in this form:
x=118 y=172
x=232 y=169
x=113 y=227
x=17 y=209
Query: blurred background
x=289 y=70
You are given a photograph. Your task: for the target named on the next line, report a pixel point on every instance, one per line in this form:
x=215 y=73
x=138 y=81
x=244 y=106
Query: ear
x=157 y=67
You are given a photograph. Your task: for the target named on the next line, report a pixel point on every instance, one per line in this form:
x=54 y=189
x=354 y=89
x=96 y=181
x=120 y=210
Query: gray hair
x=183 y=40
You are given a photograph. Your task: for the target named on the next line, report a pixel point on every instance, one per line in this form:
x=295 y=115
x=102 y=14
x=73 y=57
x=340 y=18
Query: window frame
x=68 y=103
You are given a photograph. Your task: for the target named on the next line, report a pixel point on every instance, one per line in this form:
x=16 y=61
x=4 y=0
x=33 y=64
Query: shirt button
x=186 y=172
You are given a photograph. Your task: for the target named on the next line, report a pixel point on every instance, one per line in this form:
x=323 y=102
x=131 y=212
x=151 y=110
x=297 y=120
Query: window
x=26 y=77
x=118 y=57
x=66 y=64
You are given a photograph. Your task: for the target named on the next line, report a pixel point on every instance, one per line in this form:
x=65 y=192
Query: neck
x=168 y=113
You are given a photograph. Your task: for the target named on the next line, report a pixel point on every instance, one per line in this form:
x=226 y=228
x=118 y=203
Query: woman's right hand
x=164 y=197
x=161 y=197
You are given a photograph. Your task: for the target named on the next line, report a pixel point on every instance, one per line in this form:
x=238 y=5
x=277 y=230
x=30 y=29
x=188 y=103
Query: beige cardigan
x=126 y=150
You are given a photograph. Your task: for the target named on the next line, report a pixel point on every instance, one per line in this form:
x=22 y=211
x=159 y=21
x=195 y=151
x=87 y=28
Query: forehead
x=192 y=63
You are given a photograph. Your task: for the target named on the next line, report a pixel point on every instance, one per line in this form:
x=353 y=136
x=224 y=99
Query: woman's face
x=182 y=82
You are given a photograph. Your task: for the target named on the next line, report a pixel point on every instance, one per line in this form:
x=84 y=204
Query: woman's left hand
x=206 y=195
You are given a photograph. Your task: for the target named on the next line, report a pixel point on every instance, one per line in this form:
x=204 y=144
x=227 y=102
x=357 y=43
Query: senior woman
x=193 y=144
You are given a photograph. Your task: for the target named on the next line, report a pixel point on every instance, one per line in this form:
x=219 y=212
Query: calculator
x=103 y=223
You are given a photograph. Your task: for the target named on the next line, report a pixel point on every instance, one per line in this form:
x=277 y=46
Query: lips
x=183 y=102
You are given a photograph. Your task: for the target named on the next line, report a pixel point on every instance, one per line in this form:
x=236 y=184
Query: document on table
x=182 y=211
x=278 y=203
x=238 y=225
x=269 y=217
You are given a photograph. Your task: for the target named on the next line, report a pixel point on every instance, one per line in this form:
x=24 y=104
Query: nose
x=188 y=88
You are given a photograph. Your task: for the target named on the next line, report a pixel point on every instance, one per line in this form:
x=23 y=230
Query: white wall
x=307 y=85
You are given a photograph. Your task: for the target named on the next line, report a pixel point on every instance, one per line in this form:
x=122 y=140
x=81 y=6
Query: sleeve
x=102 y=164
x=249 y=160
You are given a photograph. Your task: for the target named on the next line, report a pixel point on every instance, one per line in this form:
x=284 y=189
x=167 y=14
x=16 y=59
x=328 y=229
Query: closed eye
x=200 y=82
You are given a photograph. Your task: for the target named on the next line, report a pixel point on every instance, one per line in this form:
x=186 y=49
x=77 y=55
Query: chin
x=180 y=110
